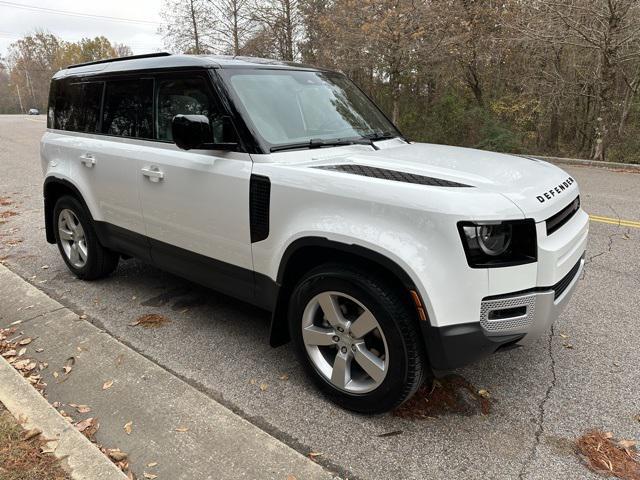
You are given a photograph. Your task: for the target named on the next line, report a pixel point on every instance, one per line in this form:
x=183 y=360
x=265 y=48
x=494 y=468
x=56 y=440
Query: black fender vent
x=259 y=205
x=392 y=175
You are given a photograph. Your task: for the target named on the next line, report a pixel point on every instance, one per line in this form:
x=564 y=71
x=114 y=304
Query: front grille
x=556 y=221
x=517 y=322
x=393 y=175
x=562 y=285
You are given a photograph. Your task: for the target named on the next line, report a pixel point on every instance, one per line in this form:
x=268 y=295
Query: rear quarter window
x=75 y=105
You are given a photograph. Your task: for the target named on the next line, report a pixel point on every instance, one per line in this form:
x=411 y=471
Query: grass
x=22 y=459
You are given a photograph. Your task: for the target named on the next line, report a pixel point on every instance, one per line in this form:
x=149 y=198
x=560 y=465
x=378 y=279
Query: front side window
x=128 y=108
x=290 y=106
x=188 y=96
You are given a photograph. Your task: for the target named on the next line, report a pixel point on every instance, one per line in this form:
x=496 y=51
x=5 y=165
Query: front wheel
x=357 y=337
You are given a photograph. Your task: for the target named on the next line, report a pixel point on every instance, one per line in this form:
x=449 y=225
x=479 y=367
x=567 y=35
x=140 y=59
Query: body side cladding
x=238 y=282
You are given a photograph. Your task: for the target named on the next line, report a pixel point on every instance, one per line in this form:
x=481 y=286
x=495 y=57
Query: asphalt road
x=584 y=375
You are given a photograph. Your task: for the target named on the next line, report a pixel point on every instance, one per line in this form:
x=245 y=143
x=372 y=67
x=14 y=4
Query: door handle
x=153 y=174
x=88 y=160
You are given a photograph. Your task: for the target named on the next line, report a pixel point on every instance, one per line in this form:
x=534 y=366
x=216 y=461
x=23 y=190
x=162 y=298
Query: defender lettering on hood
x=556 y=190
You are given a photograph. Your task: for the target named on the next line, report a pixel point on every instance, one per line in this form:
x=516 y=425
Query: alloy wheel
x=72 y=238
x=345 y=342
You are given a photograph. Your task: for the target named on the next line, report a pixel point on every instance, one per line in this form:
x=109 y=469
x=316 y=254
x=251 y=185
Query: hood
x=538 y=188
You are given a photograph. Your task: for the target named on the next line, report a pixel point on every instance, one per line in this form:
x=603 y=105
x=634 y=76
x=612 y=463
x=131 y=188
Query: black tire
x=407 y=365
x=100 y=262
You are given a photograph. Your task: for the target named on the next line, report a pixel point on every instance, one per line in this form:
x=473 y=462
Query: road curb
x=84 y=459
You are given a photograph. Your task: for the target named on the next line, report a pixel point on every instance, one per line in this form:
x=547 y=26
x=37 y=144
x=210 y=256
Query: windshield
x=291 y=107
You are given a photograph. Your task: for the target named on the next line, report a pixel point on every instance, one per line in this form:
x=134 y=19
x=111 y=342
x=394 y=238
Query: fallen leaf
x=149 y=320
x=80 y=408
x=116 y=454
x=9 y=353
x=108 y=384
x=313 y=455
x=82 y=317
x=567 y=345
x=56 y=404
x=263 y=387
x=119 y=359
x=608 y=435
x=127 y=427
x=291 y=477
x=150 y=476
x=25 y=341
x=21 y=364
x=627 y=444
x=39 y=350
x=44 y=267
x=483 y=393
x=22 y=352
x=563 y=335
x=34 y=432
x=84 y=424
x=182 y=429
x=152 y=464
x=69 y=365
x=49 y=447
x=55 y=374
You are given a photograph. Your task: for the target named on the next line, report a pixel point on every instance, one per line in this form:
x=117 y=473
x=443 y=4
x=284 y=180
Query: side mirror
x=190 y=131
x=194 y=131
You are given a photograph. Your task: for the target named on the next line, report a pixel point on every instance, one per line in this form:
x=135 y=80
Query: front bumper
x=505 y=321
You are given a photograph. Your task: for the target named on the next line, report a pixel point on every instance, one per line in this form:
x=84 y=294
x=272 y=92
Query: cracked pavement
x=583 y=375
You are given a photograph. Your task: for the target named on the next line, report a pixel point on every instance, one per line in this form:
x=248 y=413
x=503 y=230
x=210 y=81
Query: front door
x=195 y=203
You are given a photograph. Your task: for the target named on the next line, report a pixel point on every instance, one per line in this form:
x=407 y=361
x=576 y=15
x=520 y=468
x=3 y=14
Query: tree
x=233 y=23
x=281 y=22
x=187 y=26
x=606 y=34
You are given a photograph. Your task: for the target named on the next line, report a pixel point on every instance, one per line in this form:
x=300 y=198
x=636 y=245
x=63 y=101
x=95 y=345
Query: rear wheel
x=357 y=337
x=78 y=242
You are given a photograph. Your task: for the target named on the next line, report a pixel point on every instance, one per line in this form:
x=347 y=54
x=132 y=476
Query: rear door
x=99 y=148
x=196 y=203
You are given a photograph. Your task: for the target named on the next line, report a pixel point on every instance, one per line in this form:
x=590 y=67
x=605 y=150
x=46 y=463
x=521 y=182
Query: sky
x=135 y=24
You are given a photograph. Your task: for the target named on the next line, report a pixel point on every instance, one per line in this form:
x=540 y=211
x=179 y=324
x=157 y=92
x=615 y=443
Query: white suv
x=285 y=186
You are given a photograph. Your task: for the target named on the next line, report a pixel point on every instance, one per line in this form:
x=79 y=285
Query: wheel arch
x=53 y=189
x=308 y=252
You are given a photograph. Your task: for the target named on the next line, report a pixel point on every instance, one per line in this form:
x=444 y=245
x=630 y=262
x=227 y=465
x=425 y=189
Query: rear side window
x=75 y=106
x=128 y=108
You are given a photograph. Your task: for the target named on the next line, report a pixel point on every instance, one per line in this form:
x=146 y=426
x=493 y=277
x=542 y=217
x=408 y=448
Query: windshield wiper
x=318 y=143
x=378 y=136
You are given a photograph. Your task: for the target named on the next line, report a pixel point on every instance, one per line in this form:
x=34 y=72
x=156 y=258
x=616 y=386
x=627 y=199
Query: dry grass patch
x=609 y=457
x=451 y=394
x=22 y=458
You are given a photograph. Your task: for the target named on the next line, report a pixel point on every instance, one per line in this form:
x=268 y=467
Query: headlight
x=499 y=244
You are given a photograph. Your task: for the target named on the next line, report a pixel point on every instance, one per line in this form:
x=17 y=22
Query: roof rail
x=117 y=59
